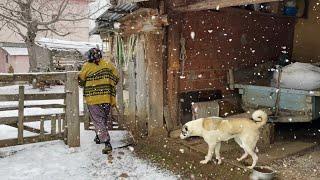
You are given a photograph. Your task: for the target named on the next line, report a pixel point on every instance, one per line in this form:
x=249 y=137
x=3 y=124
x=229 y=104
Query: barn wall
x=231 y=38
x=306 y=40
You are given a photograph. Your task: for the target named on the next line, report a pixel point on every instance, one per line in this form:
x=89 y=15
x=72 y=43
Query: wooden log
x=53 y=124
x=41 y=129
x=21 y=114
x=72 y=109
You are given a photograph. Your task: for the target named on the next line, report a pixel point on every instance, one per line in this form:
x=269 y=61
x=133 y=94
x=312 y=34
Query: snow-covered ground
x=54 y=160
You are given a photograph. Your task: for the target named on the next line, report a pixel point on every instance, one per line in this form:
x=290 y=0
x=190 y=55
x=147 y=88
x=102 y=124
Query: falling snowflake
x=193 y=35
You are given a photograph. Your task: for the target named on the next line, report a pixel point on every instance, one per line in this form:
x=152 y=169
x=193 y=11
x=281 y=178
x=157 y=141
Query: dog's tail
x=260 y=117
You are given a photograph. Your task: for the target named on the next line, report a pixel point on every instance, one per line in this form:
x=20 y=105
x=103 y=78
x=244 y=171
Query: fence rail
x=64 y=126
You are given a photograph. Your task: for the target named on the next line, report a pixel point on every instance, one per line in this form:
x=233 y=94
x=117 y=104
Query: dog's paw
x=250 y=167
x=239 y=159
x=203 y=162
x=219 y=161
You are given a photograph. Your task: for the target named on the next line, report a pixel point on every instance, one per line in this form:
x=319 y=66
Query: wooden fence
x=64 y=126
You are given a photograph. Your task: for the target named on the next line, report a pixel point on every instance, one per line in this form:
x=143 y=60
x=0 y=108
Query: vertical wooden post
x=59 y=125
x=72 y=109
x=53 y=125
x=141 y=88
x=41 y=128
x=174 y=34
x=21 y=115
x=132 y=96
x=155 y=83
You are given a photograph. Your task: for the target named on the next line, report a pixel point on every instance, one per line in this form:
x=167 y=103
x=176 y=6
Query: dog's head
x=198 y=126
x=185 y=133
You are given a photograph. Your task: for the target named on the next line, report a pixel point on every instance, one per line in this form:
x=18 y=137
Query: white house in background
x=17 y=57
x=50 y=54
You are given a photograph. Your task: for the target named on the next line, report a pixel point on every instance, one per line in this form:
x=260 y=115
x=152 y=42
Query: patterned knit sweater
x=100 y=81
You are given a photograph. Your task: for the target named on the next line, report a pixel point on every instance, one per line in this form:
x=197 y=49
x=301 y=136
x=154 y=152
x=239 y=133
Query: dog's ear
x=185 y=128
x=209 y=124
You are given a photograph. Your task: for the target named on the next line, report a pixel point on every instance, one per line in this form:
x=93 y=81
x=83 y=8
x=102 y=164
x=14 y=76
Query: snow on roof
x=16 y=51
x=57 y=44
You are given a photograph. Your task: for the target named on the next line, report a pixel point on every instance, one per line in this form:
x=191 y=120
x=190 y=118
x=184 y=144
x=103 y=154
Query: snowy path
x=54 y=161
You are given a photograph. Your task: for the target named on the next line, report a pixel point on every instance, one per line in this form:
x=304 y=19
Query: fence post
x=72 y=109
x=21 y=115
x=53 y=125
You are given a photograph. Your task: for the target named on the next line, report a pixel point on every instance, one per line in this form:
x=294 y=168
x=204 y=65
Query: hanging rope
x=183 y=54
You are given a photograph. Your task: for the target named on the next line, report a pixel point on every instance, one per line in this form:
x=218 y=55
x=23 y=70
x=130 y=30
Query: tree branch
x=62 y=8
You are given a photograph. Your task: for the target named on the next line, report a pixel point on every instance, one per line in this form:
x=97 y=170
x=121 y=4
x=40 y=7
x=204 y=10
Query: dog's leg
x=245 y=155
x=253 y=155
x=239 y=142
x=208 y=157
x=217 y=152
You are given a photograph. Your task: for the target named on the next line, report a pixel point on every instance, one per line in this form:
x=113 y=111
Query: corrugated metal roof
x=113 y=14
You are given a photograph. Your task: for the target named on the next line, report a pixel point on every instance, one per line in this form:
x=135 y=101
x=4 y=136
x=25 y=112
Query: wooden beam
x=27 y=128
x=21 y=114
x=138 y=14
x=72 y=109
x=49 y=96
x=217 y=4
x=44 y=106
x=14 y=120
x=141 y=88
x=174 y=33
x=5 y=77
x=153 y=45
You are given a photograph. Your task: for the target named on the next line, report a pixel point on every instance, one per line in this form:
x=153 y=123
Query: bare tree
x=28 y=18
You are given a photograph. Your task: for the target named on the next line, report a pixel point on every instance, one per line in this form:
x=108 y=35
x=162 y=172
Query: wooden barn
x=175 y=53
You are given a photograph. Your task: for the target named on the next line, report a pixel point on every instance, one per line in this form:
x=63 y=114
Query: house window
x=7 y=58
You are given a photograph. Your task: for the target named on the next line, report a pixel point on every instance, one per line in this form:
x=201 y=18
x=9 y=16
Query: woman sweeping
x=100 y=79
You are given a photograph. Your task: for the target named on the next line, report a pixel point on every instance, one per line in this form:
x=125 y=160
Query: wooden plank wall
x=230 y=39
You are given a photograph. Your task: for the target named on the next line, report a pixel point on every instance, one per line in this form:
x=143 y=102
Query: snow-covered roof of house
x=63 y=45
x=16 y=51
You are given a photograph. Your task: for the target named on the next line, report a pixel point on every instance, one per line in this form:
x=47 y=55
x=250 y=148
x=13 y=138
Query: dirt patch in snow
x=185 y=162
